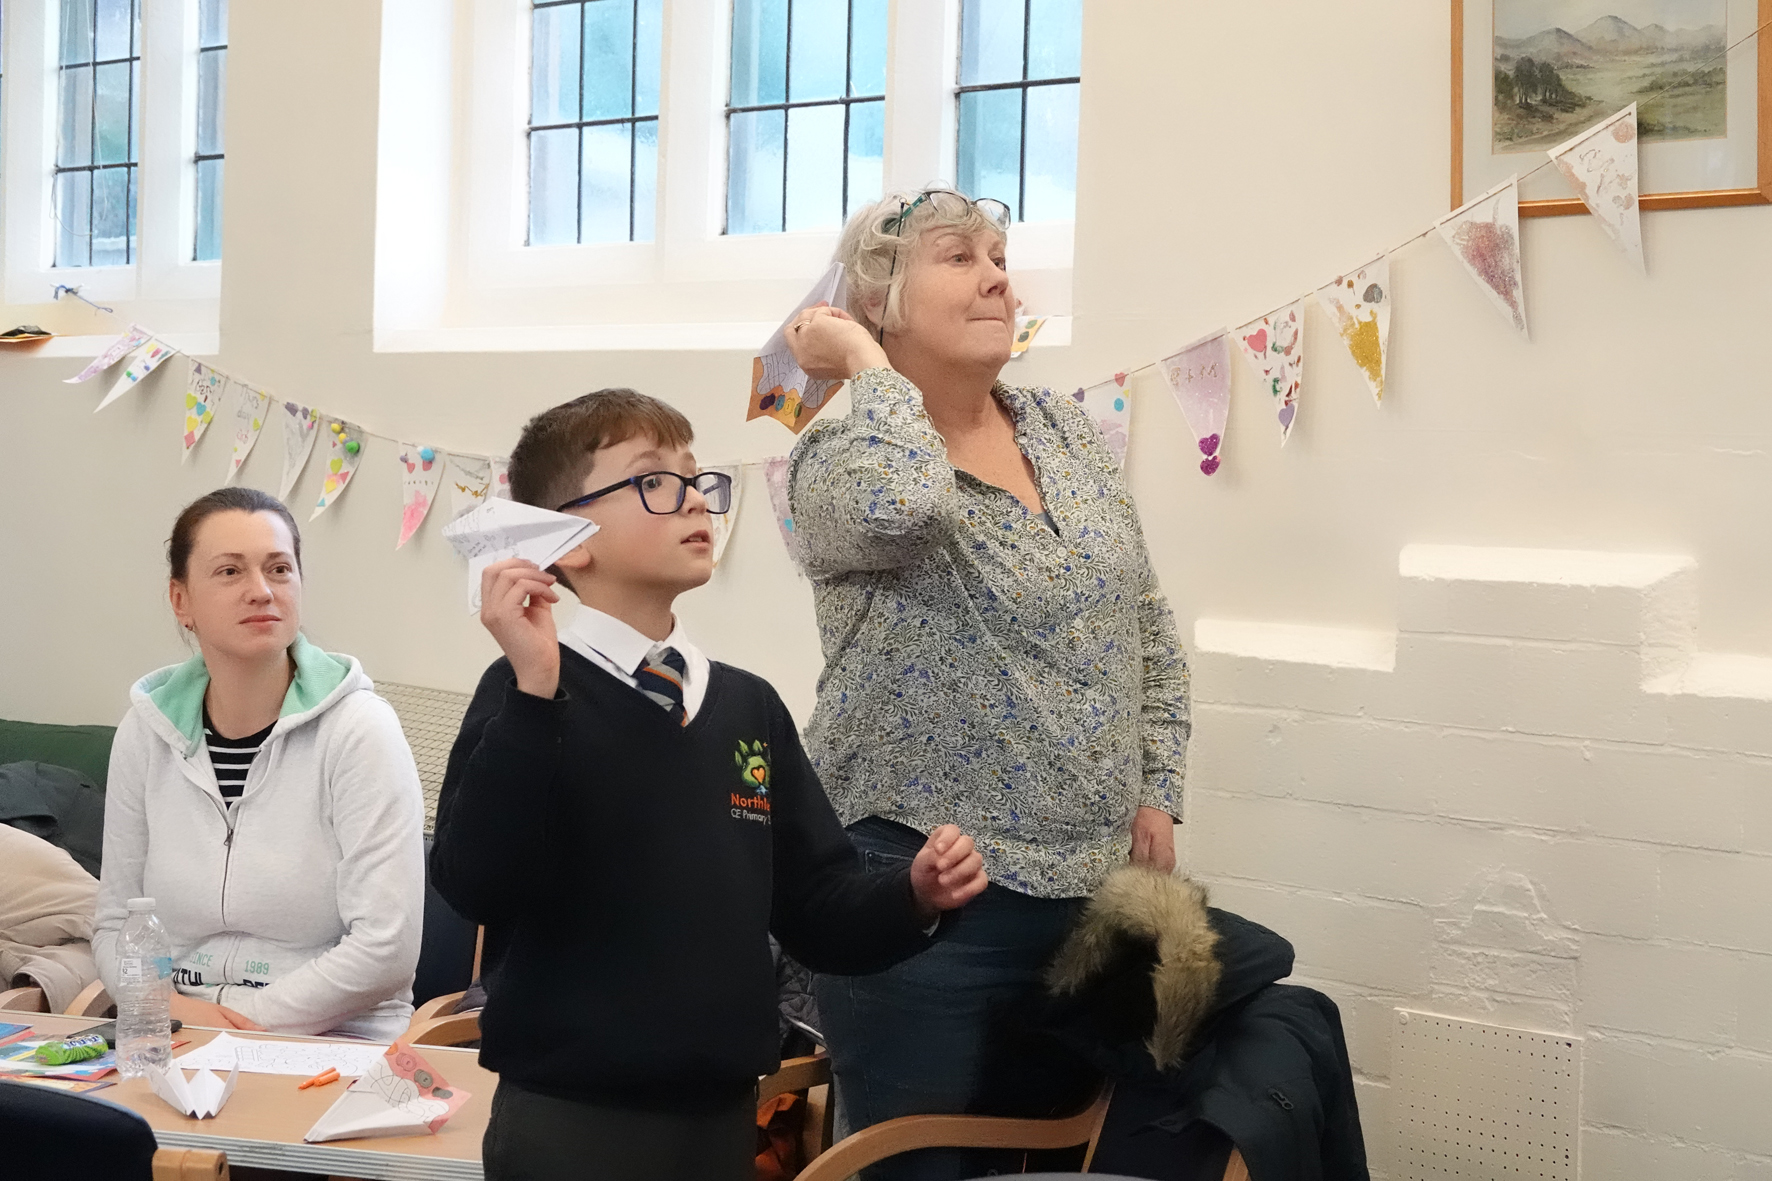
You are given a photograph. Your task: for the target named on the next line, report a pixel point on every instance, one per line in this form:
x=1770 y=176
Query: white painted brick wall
x=1534 y=804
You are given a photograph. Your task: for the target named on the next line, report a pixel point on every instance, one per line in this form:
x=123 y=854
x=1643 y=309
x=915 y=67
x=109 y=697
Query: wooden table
x=264 y=1119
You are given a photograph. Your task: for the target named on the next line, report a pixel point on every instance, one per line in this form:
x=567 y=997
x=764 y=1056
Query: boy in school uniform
x=630 y=820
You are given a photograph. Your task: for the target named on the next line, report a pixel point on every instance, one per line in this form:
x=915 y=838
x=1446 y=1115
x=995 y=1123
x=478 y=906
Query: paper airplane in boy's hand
x=501 y=529
x=400 y=1096
x=780 y=389
x=201 y=1095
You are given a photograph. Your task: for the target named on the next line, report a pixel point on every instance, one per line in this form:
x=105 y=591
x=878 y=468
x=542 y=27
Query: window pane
x=990 y=41
x=817 y=58
x=759 y=52
x=1051 y=153
x=116 y=28
x=753 y=184
x=1055 y=40
x=867 y=47
x=815 y=167
x=74 y=140
x=110 y=216
x=867 y=144
x=212 y=22
x=111 y=102
x=211 y=89
x=645 y=179
x=553 y=187
x=608 y=64
x=209 y=209
x=76 y=31
x=73 y=194
x=604 y=186
x=649 y=51
x=990 y=145
x=553 y=71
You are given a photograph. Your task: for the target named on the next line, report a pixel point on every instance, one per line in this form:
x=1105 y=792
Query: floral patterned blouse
x=983 y=668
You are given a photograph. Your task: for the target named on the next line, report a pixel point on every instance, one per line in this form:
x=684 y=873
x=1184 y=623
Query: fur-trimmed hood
x=1149 y=966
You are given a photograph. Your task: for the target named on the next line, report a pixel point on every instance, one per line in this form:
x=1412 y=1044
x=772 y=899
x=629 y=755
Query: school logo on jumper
x=752 y=760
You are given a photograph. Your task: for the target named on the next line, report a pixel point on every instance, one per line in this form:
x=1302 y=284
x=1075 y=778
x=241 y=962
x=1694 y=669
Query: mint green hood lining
x=179 y=698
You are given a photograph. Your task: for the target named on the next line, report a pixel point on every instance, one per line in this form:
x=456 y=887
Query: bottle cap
x=136 y=904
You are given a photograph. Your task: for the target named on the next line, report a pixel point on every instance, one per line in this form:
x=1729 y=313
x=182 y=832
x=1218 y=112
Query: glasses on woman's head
x=662 y=493
x=949 y=204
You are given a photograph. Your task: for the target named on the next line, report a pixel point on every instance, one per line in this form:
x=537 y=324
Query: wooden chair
x=451 y=1029
x=92 y=1001
x=190 y=1164
x=23 y=1000
x=811 y=1074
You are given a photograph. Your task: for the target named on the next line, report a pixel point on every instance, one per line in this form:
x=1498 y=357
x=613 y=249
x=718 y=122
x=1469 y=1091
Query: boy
x=629 y=820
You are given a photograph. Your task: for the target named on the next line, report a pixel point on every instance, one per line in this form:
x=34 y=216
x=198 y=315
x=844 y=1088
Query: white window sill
x=743 y=336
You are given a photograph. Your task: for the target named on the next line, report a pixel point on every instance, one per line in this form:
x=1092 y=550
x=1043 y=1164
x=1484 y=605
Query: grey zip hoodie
x=302 y=906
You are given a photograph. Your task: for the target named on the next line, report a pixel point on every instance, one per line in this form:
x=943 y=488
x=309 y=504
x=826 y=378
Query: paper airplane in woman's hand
x=780 y=389
x=501 y=529
x=201 y=1095
x=400 y=1096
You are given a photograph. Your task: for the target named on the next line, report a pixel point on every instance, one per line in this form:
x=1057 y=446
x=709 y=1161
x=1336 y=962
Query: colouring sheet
x=1274 y=346
x=1359 y=305
x=1485 y=235
x=780 y=389
x=1200 y=378
x=1602 y=166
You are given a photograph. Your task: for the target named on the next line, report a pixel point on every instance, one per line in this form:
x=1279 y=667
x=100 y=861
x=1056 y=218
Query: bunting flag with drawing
x=1274 y=346
x=1200 y=378
x=1601 y=164
x=344 y=451
x=724 y=523
x=132 y=339
x=1026 y=328
x=1109 y=406
x=500 y=484
x=249 y=419
x=1359 y=305
x=300 y=428
x=780 y=389
x=1485 y=235
x=202 y=392
x=421 y=474
x=775 y=475
x=142 y=362
x=468 y=480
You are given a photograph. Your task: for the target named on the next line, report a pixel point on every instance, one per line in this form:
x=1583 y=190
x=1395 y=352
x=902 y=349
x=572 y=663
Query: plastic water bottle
x=144 y=987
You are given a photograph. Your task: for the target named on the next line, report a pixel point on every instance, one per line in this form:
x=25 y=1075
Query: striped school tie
x=661 y=678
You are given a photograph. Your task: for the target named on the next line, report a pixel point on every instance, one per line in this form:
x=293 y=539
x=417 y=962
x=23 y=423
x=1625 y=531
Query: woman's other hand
x=828 y=343
x=1153 y=839
x=192 y=1011
x=947 y=872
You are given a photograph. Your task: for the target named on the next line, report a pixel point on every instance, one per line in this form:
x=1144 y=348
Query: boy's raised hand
x=516 y=605
x=948 y=872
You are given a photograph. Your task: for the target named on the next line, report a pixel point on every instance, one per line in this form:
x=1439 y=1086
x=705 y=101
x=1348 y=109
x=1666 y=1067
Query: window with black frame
x=212 y=66
x=1020 y=70
x=593 y=120
x=98 y=83
x=806 y=116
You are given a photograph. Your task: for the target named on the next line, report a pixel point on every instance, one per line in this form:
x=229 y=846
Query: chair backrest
x=430 y=718
x=446 y=948
x=49 y=1133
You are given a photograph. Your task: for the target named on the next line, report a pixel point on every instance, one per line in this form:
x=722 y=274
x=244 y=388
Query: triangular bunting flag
x=501 y=476
x=1200 y=378
x=300 y=428
x=469 y=478
x=421 y=474
x=344 y=451
x=1026 y=328
x=724 y=523
x=249 y=419
x=1485 y=235
x=1274 y=345
x=131 y=340
x=1359 y=305
x=775 y=475
x=1109 y=406
x=143 y=362
x=1601 y=163
x=202 y=392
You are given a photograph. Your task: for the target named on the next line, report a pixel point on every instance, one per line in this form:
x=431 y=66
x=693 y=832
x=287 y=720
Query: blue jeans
x=939 y=1033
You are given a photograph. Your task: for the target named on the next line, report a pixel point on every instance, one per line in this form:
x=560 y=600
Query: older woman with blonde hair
x=998 y=655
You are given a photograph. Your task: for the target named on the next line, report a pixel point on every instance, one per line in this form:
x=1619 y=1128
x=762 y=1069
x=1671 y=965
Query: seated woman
x=265 y=798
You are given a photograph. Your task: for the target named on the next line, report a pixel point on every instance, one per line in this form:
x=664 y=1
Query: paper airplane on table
x=202 y=1095
x=501 y=529
x=400 y=1096
x=780 y=389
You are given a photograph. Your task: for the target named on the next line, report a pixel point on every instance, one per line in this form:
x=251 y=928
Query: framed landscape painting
x=1529 y=74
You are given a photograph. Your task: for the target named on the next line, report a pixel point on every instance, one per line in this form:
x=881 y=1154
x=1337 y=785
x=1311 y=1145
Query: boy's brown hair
x=554 y=454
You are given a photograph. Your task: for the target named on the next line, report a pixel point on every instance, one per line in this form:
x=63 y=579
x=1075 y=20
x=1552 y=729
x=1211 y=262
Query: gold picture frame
x=1760 y=193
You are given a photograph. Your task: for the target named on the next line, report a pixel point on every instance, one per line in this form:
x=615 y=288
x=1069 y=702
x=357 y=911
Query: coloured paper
x=301 y=426
x=141 y=363
x=1601 y=164
x=134 y=338
x=344 y=451
x=202 y=392
x=400 y=1095
x=724 y=523
x=1026 y=328
x=201 y=1095
x=1200 y=378
x=1359 y=305
x=249 y=418
x=775 y=476
x=421 y=475
x=1109 y=405
x=1485 y=235
x=469 y=478
x=501 y=476
x=1274 y=346
x=501 y=529
x=780 y=389
x=226 y=1051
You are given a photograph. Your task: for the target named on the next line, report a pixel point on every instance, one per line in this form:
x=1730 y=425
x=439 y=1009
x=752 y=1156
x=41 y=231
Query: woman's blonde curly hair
x=873 y=242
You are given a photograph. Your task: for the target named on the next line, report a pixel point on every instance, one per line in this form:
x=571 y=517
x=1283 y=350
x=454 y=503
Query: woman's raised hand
x=828 y=343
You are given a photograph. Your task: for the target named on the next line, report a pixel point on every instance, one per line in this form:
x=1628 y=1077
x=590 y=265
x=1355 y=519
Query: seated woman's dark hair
x=223 y=500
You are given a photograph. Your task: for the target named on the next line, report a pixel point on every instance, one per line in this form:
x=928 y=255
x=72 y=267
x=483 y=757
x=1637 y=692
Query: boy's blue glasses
x=662 y=493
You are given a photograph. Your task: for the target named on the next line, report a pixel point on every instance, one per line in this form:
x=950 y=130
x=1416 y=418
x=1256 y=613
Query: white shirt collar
x=619 y=643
